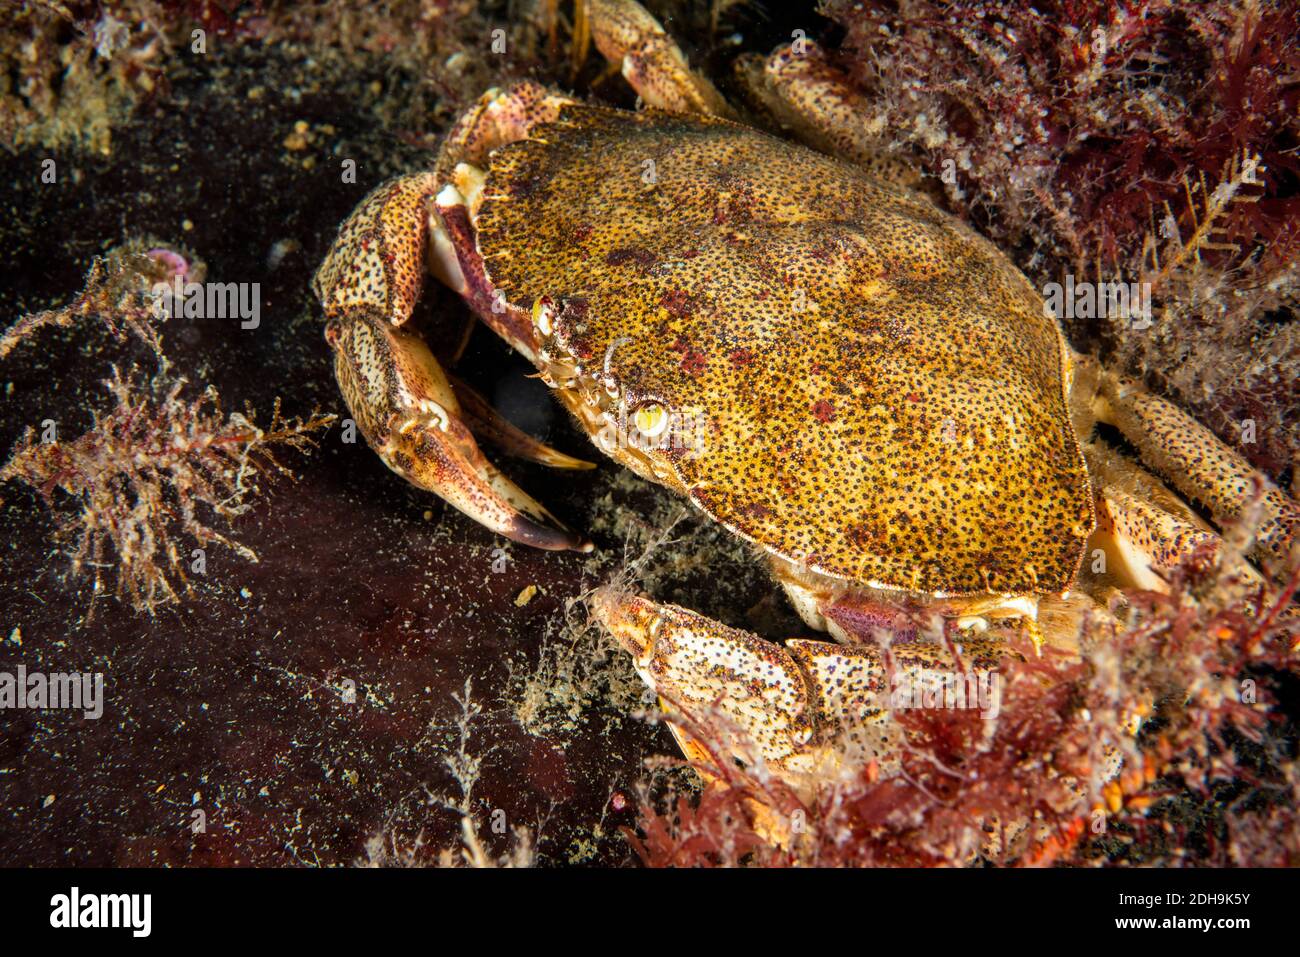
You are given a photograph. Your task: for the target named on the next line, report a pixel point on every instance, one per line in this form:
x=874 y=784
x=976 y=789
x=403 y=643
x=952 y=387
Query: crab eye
x=651 y=419
x=543 y=314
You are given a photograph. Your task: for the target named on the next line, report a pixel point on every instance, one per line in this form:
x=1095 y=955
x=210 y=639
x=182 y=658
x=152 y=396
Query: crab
x=800 y=342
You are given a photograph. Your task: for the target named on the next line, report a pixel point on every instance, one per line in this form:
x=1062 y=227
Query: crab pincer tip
x=525 y=530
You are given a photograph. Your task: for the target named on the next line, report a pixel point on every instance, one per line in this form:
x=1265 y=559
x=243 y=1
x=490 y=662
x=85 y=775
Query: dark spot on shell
x=866 y=537
x=693 y=362
x=525 y=186
x=678 y=302
x=622 y=255
x=575 y=308
x=823 y=411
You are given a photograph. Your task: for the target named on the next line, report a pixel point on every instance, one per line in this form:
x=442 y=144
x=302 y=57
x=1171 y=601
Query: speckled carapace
x=884 y=396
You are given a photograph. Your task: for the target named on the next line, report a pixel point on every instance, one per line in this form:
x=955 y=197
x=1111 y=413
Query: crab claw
x=810 y=711
x=398 y=394
x=629 y=37
x=487 y=423
x=404 y=405
x=709 y=671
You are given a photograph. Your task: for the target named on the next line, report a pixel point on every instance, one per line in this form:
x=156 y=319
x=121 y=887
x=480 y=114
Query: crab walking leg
x=1198 y=464
x=499 y=117
x=802 y=91
x=397 y=392
x=629 y=37
x=1149 y=542
x=710 y=672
